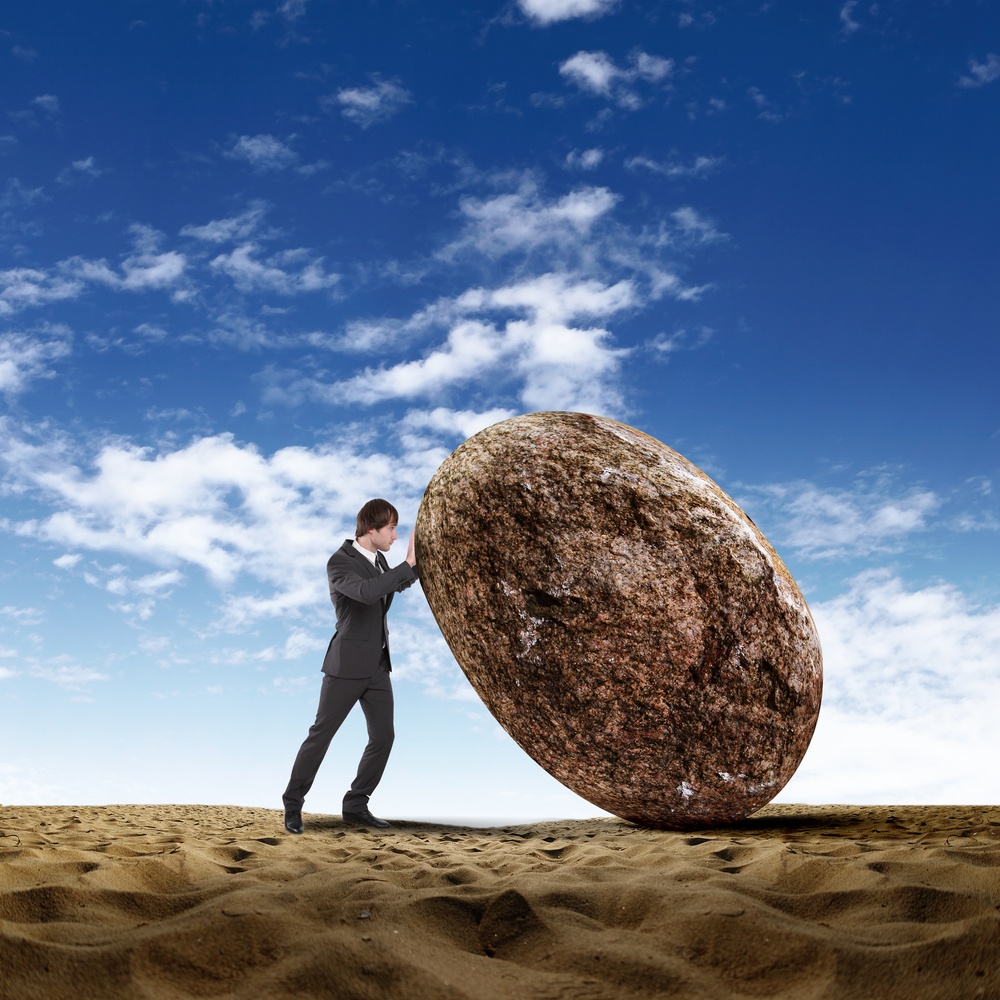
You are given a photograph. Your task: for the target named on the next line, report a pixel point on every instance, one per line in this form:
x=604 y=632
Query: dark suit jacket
x=357 y=589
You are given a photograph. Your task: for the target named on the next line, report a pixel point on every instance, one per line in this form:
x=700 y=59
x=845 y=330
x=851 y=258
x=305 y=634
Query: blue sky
x=262 y=261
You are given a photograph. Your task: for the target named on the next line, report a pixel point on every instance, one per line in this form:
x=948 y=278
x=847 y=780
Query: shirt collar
x=370 y=556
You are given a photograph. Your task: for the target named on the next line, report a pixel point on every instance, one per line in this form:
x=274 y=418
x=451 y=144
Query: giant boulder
x=621 y=617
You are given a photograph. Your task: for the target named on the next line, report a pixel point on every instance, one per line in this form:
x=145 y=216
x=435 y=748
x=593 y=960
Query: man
x=357 y=665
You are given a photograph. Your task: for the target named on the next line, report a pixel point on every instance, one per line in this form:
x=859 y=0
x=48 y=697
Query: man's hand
x=411 y=550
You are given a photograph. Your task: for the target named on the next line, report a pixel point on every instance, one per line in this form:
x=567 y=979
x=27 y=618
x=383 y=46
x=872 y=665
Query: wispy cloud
x=22 y=615
x=263 y=152
x=556 y=363
x=598 y=74
x=214 y=504
x=766 y=110
x=826 y=523
x=26 y=357
x=454 y=423
x=911 y=681
x=542 y=339
x=695 y=227
x=146 y=268
x=292 y=9
x=17 y=195
x=848 y=24
x=887 y=638
x=981 y=73
x=366 y=106
x=237 y=227
x=85 y=169
x=585 y=159
x=63 y=672
x=524 y=221
x=700 y=166
x=48 y=103
x=25 y=287
x=550 y=11
x=287 y=272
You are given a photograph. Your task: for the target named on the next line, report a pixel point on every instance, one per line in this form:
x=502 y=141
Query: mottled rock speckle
x=622 y=618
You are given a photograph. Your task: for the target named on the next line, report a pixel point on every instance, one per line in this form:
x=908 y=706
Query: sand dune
x=799 y=902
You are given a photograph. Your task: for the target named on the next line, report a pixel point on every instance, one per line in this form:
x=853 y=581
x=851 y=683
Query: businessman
x=357 y=663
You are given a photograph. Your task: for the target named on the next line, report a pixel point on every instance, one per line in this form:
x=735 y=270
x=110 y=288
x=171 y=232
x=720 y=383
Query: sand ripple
x=799 y=902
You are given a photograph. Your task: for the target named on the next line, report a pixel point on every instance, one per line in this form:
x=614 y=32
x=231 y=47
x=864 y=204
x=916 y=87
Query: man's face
x=384 y=537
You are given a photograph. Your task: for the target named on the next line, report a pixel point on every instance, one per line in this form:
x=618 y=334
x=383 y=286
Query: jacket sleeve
x=344 y=578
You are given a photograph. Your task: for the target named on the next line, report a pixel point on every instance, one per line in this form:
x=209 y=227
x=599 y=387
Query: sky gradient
x=262 y=261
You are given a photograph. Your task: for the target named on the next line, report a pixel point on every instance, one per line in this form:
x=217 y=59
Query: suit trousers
x=336 y=699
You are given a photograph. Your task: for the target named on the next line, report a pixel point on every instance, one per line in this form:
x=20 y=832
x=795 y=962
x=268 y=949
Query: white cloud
x=24 y=358
x=80 y=168
x=664 y=345
x=237 y=227
x=48 y=103
x=298 y=645
x=22 y=615
x=144 y=591
x=213 y=504
x=559 y=298
x=651 y=68
x=87 y=166
x=586 y=159
x=147 y=268
x=911 y=682
x=367 y=105
x=848 y=25
x=292 y=9
x=837 y=523
x=597 y=73
x=64 y=673
x=524 y=221
x=460 y=423
x=25 y=287
x=568 y=369
x=24 y=784
x=694 y=227
x=766 y=111
x=593 y=71
x=150 y=583
x=262 y=152
x=559 y=366
x=288 y=272
x=700 y=166
x=541 y=339
x=16 y=196
x=471 y=348
x=550 y=11
x=981 y=73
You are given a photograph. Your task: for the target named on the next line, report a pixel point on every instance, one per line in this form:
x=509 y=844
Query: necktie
x=381 y=565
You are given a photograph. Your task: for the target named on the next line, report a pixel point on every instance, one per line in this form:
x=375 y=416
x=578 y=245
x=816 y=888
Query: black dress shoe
x=293 y=821
x=365 y=818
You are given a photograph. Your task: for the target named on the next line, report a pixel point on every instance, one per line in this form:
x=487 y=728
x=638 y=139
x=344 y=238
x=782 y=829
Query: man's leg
x=337 y=697
x=377 y=705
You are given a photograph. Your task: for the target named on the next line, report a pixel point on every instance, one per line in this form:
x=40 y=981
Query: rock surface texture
x=621 y=617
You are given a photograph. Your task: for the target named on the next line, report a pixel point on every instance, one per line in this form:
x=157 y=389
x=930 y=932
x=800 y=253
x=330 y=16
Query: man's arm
x=344 y=577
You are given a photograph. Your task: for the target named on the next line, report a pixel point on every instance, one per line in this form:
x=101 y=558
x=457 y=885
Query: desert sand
x=797 y=902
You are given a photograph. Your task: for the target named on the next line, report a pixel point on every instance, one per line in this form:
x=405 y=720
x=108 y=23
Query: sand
x=797 y=902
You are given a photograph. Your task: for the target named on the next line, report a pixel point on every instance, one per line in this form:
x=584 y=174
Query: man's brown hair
x=375 y=514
